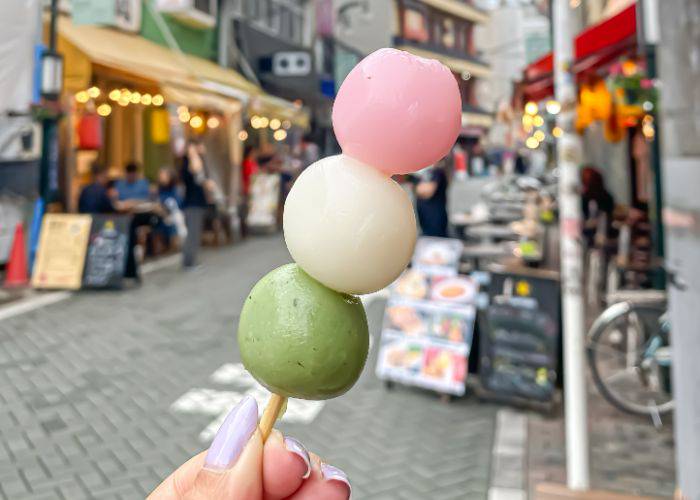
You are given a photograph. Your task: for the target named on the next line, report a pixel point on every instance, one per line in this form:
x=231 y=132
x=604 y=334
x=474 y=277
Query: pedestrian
x=194 y=178
x=133 y=187
x=95 y=198
x=478 y=162
x=172 y=224
x=431 y=201
x=239 y=466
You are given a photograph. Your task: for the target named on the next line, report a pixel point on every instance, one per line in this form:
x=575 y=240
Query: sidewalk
x=627 y=454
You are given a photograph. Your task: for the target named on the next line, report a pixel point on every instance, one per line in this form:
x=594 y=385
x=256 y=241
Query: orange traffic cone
x=16 y=274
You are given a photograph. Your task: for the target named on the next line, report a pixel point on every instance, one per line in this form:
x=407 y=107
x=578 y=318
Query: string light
x=123 y=100
x=557 y=132
x=275 y=124
x=135 y=97
x=196 y=121
x=243 y=135
x=184 y=116
x=146 y=99
x=104 y=109
x=527 y=121
x=532 y=143
x=93 y=92
x=82 y=97
x=538 y=121
x=264 y=121
x=539 y=135
x=255 y=121
x=213 y=122
x=157 y=100
x=115 y=94
x=553 y=107
x=280 y=135
x=286 y=124
x=531 y=108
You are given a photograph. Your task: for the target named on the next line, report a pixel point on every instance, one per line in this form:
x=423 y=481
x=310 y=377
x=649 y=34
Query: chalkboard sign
x=519 y=350
x=107 y=251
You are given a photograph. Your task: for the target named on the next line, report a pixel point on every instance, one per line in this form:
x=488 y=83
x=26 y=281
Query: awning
x=197 y=99
x=594 y=49
x=457 y=65
x=459 y=9
x=185 y=78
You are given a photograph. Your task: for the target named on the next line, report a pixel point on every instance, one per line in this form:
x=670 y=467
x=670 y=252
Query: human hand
x=239 y=466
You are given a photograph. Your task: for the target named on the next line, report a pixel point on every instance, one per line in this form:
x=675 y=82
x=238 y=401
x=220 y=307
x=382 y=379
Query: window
x=415 y=25
x=204 y=6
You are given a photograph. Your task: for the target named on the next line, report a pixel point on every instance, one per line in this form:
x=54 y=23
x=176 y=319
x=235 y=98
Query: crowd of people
x=168 y=214
x=172 y=212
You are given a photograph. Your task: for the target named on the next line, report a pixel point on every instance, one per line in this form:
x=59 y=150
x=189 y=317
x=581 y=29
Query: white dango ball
x=349 y=226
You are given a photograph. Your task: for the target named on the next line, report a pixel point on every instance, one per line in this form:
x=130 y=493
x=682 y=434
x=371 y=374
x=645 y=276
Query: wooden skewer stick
x=270 y=415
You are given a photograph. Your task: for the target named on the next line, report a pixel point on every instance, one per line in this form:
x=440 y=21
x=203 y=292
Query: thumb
x=233 y=465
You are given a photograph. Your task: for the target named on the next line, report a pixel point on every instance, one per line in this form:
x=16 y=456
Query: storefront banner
x=19 y=22
x=122 y=14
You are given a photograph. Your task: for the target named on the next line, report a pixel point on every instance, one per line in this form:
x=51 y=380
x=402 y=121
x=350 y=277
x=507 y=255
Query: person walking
x=194 y=178
x=431 y=201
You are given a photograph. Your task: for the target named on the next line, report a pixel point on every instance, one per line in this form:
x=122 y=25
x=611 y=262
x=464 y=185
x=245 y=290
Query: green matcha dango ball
x=301 y=339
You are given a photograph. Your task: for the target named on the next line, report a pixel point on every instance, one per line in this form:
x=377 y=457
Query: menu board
x=61 y=253
x=264 y=200
x=107 y=251
x=437 y=256
x=521 y=336
x=427 y=331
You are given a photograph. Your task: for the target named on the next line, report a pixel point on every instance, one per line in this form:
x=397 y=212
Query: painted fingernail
x=331 y=473
x=233 y=435
x=298 y=449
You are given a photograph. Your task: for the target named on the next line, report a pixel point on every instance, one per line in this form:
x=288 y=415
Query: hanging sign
x=122 y=14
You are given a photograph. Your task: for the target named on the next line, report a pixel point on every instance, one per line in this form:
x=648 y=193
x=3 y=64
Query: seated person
x=133 y=186
x=95 y=197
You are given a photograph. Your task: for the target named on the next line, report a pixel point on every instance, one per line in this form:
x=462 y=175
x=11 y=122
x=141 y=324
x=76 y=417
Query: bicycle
x=629 y=356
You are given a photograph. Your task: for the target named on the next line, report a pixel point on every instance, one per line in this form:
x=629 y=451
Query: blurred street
x=507 y=186
x=85 y=408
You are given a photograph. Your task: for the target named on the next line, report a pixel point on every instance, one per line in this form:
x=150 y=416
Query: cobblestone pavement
x=627 y=454
x=88 y=388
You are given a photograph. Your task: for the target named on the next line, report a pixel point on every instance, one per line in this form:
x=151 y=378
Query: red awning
x=595 y=47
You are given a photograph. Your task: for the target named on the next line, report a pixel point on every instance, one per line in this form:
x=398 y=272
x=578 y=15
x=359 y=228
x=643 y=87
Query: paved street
x=103 y=394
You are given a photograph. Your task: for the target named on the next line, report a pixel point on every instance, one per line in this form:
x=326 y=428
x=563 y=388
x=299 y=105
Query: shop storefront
x=616 y=106
x=123 y=108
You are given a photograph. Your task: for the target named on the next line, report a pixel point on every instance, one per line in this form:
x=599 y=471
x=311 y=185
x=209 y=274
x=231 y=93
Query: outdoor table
x=491 y=232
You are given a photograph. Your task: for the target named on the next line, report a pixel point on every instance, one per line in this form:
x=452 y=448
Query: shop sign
x=61 y=253
x=429 y=321
x=122 y=14
x=427 y=331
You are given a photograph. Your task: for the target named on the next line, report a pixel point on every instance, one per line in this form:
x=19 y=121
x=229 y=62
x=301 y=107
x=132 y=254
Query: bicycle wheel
x=629 y=356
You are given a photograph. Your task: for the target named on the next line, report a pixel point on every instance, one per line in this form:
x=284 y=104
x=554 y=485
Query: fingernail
x=331 y=473
x=298 y=449
x=233 y=435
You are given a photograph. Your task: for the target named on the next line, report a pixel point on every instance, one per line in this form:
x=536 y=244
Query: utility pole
x=51 y=85
x=568 y=159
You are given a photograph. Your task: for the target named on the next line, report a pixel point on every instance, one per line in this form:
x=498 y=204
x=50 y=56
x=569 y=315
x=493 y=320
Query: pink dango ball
x=397 y=112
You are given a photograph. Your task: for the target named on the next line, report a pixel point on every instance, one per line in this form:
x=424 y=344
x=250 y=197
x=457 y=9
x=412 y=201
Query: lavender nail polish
x=233 y=435
x=331 y=473
x=298 y=449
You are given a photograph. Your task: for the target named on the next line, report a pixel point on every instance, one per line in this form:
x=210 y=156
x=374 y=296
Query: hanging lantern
x=160 y=127
x=90 y=132
x=601 y=101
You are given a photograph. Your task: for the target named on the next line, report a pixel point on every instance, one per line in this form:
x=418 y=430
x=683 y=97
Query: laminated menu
x=427 y=331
